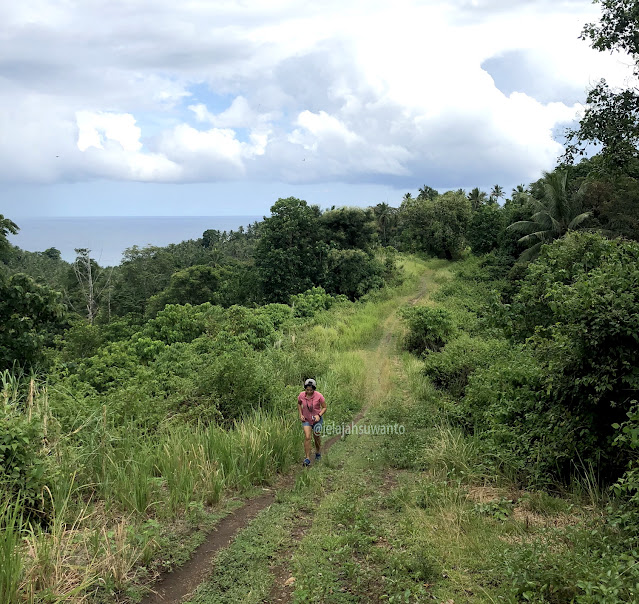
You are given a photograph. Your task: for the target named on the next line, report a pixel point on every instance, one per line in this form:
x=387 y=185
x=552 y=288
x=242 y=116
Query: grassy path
x=403 y=517
x=260 y=565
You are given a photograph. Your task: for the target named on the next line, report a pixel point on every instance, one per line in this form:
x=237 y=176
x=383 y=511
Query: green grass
x=11 y=561
x=125 y=501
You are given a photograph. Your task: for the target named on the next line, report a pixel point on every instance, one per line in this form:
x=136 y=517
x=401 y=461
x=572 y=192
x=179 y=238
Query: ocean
x=108 y=236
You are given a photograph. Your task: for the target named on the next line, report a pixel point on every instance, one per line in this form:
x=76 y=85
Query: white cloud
x=357 y=91
x=98 y=129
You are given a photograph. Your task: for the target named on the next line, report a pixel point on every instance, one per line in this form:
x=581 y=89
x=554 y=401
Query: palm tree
x=477 y=198
x=555 y=214
x=384 y=215
x=427 y=192
x=407 y=197
x=496 y=193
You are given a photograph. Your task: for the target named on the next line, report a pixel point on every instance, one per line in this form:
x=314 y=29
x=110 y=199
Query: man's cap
x=310 y=382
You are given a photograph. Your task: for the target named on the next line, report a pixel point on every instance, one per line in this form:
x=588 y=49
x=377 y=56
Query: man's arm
x=299 y=408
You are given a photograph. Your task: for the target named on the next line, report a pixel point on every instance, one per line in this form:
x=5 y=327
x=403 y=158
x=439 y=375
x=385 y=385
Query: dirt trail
x=172 y=588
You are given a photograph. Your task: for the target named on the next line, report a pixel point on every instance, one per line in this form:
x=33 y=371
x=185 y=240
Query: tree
x=519 y=196
x=477 y=198
x=290 y=255
x=436 y=226
x=611 y=118
x=496 y=193
x=6 y=226
x=385 y=216
x=427 y=192
x=94 y=282
x=348 y=228
x=29 y=314
x=485 y=229
x=556 y=213
x=142 y=273
x=352 y=273
x=193 y=285
x=52 y=253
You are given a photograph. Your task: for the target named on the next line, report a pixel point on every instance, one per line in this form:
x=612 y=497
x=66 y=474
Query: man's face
x=309 y=389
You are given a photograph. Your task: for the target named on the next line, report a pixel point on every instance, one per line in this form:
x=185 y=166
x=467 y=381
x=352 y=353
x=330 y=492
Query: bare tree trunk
x=88 y=279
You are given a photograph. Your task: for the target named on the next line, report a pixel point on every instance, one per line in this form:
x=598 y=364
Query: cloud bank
x=453 y=95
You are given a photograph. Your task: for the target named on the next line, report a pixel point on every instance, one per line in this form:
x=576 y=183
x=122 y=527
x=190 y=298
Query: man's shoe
x=318 y=456
x=307 y=461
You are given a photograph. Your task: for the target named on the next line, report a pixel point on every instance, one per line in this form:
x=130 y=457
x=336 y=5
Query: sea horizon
x=109 y=236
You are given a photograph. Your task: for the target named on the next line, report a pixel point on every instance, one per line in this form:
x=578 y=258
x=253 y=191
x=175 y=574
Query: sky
x=219 y=107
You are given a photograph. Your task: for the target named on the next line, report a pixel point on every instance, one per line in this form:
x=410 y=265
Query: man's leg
x=318 y=442
x=307 y=441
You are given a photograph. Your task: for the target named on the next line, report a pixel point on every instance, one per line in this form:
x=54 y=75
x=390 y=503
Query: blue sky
x=169 y=108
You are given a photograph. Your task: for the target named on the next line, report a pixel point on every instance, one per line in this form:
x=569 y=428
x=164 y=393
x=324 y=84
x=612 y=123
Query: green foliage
x=352 y=273
x=429 y=328
x=289 y=254
x=499 y=509
x=614 y=202
x=193 y=285
x=437 y=226
x=184 y=323
x=29 y=316
x=590 y=329
x=255 y=327
x=611 y=118
x=555 y=213
x=452 y=366
x=595 y=564
x=386 y=218
x=22 y=463
x=236 y=381
x=311 y=302
x=6 y=226
x=485 y=229
x=348 y=228
x=11 y=561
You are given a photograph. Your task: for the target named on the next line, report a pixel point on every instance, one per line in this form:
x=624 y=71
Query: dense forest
x=134 y=397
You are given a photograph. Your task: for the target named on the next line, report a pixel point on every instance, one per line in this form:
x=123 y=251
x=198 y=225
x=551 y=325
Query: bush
x=505 y=404
x=452 y=366
x=580 y=304
x=311 y=301
x=236 y=380
x=429 y=328
x=353 y=273
x=22 y=463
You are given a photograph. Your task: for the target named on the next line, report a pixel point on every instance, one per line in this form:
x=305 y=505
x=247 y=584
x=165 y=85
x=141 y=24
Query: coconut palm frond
x=538 y=236
x=531 y=252
x=542 y=218
x=521 y=226
x=537 y=205
x=577 y=220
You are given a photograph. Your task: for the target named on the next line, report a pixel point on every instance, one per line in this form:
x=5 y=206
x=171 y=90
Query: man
x=311 y=406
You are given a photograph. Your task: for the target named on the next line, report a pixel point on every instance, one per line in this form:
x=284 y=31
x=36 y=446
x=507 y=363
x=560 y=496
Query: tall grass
x=111 y=482
x=11 y=561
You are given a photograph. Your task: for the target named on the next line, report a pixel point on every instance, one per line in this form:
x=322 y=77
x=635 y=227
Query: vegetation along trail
x=379 y=366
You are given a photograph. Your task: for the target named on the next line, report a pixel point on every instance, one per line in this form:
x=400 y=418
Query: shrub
x=429 y=328
x=506 y=406
x=353 y=273
x=236 y=380
x=580 y=302
x=22 y=463
x=452 y=366
x=311 y=301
